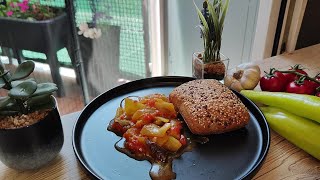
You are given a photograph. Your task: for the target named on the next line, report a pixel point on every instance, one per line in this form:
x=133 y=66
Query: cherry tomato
x=275 y=82
x=305 y=87
x=318 y=92
x=301 y=71
x=291 y=77
x=316 y=85
x=318 y=78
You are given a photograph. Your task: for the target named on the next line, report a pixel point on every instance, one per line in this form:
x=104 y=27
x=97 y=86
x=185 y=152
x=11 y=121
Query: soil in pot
x=212 y=70
x=18 y=121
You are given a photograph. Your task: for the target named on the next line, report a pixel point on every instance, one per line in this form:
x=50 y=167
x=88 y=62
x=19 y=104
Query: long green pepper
x=300 y=131
x=299 y=104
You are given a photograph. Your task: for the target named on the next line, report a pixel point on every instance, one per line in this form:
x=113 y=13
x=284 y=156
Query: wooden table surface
x=284 y=160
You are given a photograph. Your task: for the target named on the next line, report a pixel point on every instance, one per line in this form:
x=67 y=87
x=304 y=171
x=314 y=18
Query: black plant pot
x=35 y=35
x=32 y=146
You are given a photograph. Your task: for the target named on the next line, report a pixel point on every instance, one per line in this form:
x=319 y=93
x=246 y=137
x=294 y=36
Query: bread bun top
x=209 y=107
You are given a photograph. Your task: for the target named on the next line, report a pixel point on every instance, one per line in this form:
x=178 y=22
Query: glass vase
x=211 y=70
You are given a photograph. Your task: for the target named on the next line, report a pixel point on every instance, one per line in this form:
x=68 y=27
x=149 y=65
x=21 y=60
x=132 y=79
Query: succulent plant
x=24 y=95
x=212 y=21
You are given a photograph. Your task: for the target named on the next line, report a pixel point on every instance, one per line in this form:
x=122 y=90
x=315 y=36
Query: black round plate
x=235 y=155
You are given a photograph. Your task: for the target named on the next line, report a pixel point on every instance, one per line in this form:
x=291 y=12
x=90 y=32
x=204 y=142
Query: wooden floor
x=72 y=102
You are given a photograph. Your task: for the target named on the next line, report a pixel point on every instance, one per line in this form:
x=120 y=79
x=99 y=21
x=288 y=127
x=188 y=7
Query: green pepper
x=300 y=131
x=299 y=104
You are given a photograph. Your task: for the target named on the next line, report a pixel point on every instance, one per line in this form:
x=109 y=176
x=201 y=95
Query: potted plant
x=28 y=25
x=211 y=63
x=42 y=23
x=31 y=132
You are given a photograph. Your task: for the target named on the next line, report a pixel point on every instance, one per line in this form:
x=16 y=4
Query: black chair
x=47 y=37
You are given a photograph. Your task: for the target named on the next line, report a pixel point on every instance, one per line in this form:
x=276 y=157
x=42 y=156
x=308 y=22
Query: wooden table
x=284 y=160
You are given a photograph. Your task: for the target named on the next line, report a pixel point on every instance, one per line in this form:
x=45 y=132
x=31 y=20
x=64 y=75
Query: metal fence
x=123 y=13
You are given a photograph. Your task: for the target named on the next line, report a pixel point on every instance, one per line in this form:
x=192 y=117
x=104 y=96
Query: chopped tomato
x=123 y=116
x=183 y=140
x=140 y=123
x=135 y=146
x=167 y=115
x=150 y=102
x=134 y=142
x=148 y=117
x=175 y=129
x=118 y=128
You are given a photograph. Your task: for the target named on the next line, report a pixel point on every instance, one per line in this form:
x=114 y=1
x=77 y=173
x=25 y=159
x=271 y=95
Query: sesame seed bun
x=209 y=107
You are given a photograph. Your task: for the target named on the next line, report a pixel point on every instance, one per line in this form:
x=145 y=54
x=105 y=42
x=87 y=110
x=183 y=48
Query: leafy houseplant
x=209 y=63
x=24 y=96
x=30 y=126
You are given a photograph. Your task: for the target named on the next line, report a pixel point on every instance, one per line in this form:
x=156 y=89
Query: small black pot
x=32 y=146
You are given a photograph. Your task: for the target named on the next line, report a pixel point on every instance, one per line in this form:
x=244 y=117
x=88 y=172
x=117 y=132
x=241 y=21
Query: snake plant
x=212 y=21
x=23 y=95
